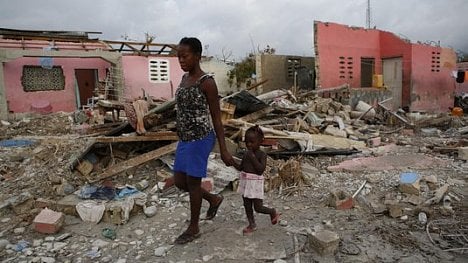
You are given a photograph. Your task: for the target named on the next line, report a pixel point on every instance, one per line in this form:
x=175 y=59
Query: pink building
x=50 y=71
x=418 y=75
x=157 y=75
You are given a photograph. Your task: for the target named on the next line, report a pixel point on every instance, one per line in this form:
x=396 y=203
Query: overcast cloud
x=241 y=25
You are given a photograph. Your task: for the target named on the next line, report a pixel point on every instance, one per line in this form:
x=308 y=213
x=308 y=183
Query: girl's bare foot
x=249 y=229
x=274 y=217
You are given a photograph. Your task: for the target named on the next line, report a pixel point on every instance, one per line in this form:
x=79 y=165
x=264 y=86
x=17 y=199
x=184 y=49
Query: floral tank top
x=193 y=119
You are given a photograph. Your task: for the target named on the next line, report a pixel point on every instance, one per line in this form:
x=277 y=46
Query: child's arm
x=237 y=165
x=258 y=161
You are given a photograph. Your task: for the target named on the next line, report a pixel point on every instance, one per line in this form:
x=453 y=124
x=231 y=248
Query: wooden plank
x=123 y=166
x=257 y=115
x=149 y=136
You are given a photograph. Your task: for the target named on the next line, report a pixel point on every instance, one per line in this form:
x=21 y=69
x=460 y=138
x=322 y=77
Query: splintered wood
x=285 y=176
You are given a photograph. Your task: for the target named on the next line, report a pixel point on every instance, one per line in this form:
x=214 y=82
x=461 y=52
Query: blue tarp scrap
x=16 y=143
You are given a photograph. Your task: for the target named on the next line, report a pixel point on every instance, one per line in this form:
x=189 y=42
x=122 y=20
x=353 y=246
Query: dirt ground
x=368 y=232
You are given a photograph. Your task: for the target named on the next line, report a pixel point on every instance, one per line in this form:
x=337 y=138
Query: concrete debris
x=409 y=183
x=349 y=144
x=324 y=242
x=48 y=221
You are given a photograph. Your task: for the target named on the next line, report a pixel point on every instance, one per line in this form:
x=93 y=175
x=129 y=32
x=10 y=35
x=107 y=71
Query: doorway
x=367 y=71
x=86 y=84
x=393 y=79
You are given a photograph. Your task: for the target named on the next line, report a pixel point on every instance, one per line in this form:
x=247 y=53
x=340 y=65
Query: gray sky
x=238 y=25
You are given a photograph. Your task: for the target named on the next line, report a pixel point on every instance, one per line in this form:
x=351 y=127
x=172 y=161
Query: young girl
x=251 y=180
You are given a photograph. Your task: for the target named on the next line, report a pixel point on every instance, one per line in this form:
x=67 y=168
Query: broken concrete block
x=48 y=221
x=340 y=200
x=395 y=211
x=463 y=153
x=409 y=183
x=334 y=131
x=374 y=142
x=324 y=242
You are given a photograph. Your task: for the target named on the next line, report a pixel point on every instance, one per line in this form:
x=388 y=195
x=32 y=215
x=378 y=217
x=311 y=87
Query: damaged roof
x=8 y=33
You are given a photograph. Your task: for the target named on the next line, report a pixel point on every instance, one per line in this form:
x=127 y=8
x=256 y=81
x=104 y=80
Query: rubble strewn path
x=390 y=220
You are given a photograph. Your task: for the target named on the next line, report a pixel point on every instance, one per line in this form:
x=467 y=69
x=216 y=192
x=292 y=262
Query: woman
x=198 y=126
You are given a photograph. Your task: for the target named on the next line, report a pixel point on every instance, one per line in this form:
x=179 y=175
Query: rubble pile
x=334 y=171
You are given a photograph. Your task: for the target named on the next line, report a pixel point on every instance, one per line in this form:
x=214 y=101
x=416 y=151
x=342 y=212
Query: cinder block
x=463 y=153
x=48 y=221
x=409 y=183
x=324 y=242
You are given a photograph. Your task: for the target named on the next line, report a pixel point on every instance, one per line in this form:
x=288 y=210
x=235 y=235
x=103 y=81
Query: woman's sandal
x=275 y=218
x=248 y=230
x=211 y=213
x=186 y=238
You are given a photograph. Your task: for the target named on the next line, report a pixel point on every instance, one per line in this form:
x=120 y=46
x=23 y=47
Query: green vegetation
x=242 y=72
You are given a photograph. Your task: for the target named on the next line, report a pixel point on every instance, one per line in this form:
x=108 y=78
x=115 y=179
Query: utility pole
x=368 y=15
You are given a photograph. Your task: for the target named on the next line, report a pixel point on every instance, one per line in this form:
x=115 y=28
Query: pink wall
x=335 y=41
x=431 y=90
x=136 y=75
x=63 y=100
x=422 y=89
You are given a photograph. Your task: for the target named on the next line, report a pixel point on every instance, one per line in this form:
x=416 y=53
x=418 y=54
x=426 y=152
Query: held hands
x=227 y=158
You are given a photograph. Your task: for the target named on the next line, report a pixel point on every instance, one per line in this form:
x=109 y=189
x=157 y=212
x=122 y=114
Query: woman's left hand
x=227 y=158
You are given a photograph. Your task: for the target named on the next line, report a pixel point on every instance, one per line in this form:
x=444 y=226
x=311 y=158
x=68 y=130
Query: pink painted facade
x=432 y=91
x=61 y=100
x=335 y=42
x=136 y=77
x=426 y=85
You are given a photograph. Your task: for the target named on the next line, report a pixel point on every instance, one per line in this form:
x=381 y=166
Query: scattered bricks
x=340 y=200
x=409 y=183
x=207 y=184
x=324 y=242
x=374 y=142
x=395 y=211
x=48 y=221
x=85 y=167
x=463 y=153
